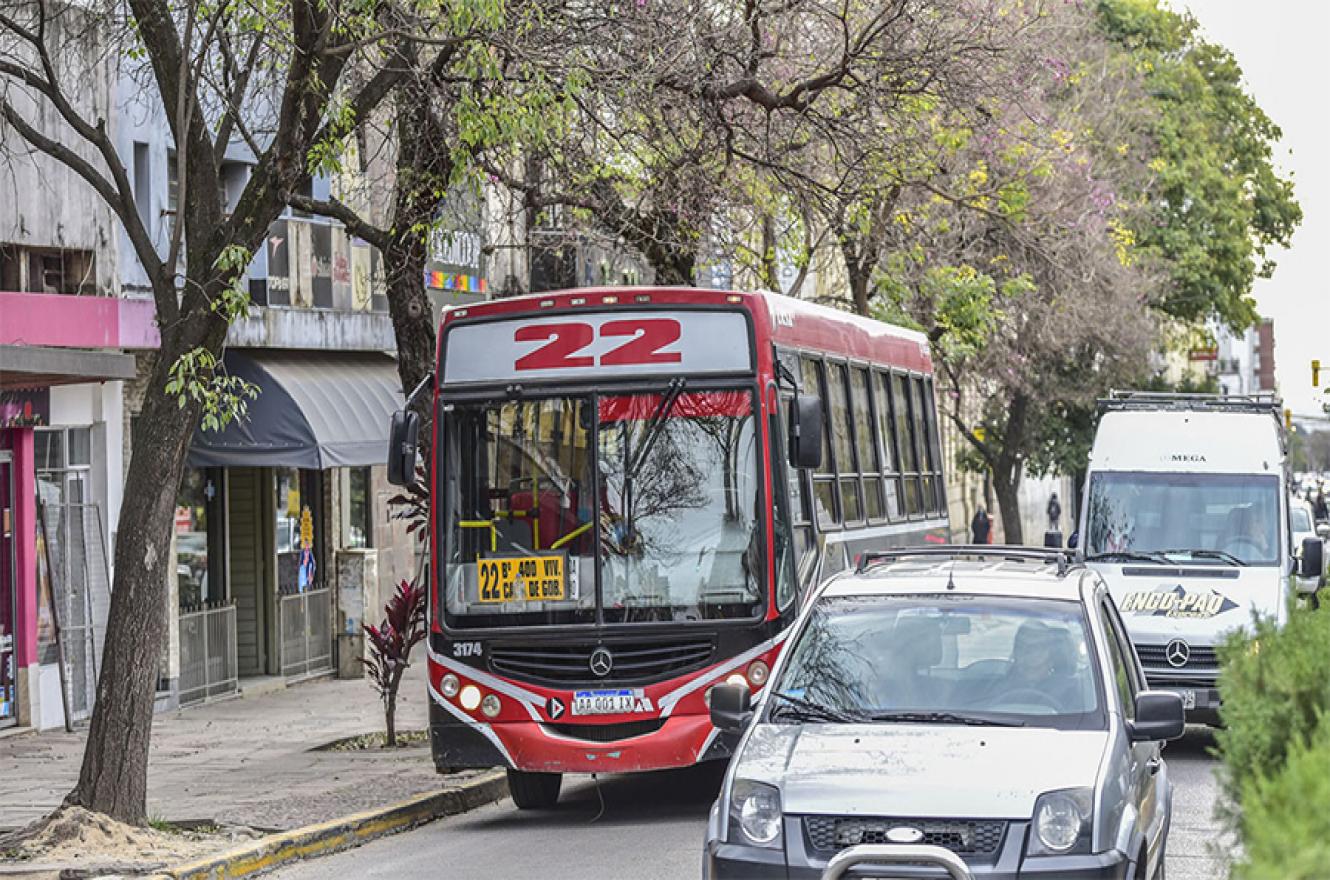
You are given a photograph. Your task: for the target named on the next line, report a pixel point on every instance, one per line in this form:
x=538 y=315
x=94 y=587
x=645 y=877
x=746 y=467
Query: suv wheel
x=534 y=791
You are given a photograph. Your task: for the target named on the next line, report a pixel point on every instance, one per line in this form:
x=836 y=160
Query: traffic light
x=1316 y=374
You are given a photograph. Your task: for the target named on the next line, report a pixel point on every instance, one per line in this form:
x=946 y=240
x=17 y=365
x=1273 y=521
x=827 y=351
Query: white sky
x=1281 y=47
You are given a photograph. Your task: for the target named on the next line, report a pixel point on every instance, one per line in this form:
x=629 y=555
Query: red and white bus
x=618 y=517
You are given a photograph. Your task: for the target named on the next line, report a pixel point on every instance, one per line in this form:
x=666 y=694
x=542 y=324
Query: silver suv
x=975 y=710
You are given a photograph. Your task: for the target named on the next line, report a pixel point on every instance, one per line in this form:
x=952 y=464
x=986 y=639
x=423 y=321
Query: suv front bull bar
x=893 y=854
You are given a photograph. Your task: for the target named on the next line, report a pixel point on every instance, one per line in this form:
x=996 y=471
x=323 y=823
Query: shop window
x=358 y=519
x=298 y=526
x=198 y=538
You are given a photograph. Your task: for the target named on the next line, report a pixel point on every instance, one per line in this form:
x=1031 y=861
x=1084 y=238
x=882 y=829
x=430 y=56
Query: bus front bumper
x=683 y=740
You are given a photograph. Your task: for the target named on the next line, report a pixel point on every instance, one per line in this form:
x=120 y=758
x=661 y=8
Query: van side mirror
x=731 y=707
x=1312 y=561
x=1159 y=716
x=1053 y=538
x=805 y=440
x=403 y=434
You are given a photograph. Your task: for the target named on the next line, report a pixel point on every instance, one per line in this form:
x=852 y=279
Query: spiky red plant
x=390 y=645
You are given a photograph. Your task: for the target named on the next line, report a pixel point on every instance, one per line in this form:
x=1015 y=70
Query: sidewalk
x=246 y=761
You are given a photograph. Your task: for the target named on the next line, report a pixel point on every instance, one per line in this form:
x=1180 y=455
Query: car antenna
x=951 y=580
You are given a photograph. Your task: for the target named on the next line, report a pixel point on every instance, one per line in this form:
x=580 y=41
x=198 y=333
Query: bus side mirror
x=402 y=436
x=805 y=440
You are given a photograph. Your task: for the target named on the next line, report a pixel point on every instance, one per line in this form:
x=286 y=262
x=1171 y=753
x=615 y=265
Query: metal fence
x=80 y=580
x=306 y=630
x=208 y=664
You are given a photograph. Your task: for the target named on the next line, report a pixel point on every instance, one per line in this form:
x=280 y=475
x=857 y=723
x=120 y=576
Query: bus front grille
x=570 y=662
x=603 y=733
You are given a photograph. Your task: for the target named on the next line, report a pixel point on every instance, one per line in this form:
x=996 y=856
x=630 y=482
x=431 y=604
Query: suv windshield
x=1213 y=518
x=659 y=492
x=949 y=659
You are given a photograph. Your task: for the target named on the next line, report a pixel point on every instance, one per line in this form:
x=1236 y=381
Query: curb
x=311 y=841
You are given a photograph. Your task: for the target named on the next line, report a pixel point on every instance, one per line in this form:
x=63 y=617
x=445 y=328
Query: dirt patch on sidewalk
x=77 y=838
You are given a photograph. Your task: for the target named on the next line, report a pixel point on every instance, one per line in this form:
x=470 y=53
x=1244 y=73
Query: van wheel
x=534 y=791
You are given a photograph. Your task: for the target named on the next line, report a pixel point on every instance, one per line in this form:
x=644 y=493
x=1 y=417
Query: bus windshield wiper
x=806 y=710
x=1131 y=556
x=656 y=425
x=945 y=718
x=1221 y=555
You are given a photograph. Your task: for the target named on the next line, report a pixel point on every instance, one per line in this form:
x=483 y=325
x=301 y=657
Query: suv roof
x=1028 y=572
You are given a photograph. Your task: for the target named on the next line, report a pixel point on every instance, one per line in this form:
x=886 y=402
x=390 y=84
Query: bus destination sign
x=580 y=345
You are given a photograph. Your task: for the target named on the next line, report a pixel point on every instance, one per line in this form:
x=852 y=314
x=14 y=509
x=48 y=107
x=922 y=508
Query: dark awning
x=314 y=410
x=36 y=366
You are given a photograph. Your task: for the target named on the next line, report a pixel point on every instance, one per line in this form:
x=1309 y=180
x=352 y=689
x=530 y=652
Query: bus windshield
x=658 y=493
x=1211 y=518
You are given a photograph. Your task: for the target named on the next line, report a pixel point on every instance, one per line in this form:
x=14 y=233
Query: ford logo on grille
x=904 y=834
x=602 y=661
x=1177 y=653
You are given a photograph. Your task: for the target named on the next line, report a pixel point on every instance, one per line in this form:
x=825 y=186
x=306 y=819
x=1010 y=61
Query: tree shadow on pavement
x=626 y=799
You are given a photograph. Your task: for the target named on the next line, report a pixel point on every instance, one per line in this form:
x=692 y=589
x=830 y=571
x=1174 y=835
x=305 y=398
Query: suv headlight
x=755 y=812
x=1062 y=822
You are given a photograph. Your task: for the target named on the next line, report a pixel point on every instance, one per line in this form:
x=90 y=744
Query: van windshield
x=1213 y=518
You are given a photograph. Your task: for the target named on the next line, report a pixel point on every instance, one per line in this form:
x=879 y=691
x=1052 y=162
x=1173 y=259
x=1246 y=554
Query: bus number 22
x=647 y=336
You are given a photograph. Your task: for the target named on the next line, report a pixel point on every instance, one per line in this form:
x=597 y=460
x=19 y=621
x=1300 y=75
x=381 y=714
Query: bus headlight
x=470 y=698
x=449 y=685
x=491 y=706
x=758 y=673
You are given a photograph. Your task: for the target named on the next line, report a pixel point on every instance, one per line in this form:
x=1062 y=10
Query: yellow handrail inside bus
x=570 y=536
x=533 y=515
x=482 y=524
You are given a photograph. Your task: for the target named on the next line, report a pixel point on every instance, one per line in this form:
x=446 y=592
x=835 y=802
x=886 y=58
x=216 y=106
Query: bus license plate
x=521 y=578
x=620 y=702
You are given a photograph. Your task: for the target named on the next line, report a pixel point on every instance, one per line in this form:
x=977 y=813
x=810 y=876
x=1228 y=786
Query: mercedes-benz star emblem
x=602 y=661
x=1177 y=653
x=904 y=834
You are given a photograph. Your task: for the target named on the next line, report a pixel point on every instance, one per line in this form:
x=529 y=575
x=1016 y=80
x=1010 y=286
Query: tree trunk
x=1007 y=488
x=1009 y=468
x=859 y=278
x=413 y=319
x=114 y=775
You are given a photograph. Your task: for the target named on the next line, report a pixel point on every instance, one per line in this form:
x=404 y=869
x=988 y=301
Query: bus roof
x=785 y=320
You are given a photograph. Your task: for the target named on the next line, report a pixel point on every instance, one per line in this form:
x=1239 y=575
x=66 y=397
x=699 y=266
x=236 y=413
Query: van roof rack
x=1011 y=553
x=1260 y=402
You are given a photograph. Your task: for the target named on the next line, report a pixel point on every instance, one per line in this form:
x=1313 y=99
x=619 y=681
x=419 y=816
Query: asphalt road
x=650 y=827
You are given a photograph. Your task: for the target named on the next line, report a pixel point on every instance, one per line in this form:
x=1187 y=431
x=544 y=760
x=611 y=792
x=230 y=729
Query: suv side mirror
x=1312 y=561
x=731 y=707
x=1159 y=716
x=402 y=436
x=805 y=440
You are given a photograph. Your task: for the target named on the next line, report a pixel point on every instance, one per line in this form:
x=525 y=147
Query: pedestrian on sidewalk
x=1054 y=513
x=1320 y=511
x=980 y=526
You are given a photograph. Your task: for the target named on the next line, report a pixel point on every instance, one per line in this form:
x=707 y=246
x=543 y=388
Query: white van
x=1186 y=517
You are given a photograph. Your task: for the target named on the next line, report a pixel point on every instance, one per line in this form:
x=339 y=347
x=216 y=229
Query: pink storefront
x=54 y=350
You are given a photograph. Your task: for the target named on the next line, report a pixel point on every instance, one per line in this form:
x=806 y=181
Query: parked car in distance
x=978 y=710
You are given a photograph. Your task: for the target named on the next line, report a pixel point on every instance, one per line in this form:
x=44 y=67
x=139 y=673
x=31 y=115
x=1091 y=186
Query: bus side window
x=804 y=548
